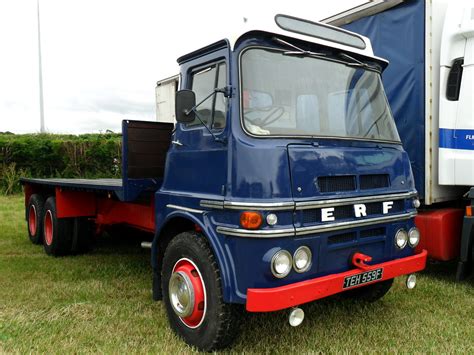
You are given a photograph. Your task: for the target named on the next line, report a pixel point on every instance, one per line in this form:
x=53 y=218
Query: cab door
x=197 y=160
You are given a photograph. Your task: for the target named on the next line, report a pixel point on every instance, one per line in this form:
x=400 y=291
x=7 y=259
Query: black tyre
x=34 y=218
x=370 y=293
x=82 y=235
x=192 y=294
x=57 y=232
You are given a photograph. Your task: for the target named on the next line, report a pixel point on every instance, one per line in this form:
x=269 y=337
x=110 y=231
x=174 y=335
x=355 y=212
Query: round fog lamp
x=413 y=237
x=272 y=219
x=411 y=281
x=401 y=238
x=296 y=317
x=281 y=264
x=302 y=259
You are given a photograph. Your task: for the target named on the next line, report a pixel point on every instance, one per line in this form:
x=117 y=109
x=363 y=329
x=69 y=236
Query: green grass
x=101 y=302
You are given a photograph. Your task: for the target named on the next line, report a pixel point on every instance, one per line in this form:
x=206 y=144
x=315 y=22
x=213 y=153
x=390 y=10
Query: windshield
x=292 y=95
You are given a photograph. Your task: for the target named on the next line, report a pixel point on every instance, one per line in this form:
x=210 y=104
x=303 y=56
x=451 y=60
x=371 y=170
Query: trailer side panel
x=399 y=36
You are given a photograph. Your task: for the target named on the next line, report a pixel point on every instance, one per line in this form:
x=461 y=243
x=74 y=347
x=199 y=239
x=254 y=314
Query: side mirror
x=185 y=101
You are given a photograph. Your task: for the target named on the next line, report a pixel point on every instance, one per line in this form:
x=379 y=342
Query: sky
x=102 y=58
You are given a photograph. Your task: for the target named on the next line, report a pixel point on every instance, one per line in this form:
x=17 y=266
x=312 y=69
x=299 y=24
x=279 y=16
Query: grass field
x=101 y=302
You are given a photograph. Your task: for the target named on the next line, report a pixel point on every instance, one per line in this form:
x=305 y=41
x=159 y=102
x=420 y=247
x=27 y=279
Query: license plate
x=362 y=278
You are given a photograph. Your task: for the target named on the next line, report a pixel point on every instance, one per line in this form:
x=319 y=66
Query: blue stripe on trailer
x=456 y=138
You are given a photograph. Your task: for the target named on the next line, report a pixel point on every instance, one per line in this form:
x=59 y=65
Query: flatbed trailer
x=275 y=187
x=129 y=200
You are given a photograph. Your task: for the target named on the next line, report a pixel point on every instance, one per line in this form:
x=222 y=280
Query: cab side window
x=212 y=111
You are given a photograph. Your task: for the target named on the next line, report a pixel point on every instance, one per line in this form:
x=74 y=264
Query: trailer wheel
x=34 y=217
x=370 y=293
x=192 y=294
x=81 y=236
x=57 y=231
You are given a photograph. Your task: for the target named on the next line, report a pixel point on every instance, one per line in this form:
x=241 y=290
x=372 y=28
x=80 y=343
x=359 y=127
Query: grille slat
x=343 y=183
x=374 y=232
x=375 y=181
x=337 y=183
x=342 y=238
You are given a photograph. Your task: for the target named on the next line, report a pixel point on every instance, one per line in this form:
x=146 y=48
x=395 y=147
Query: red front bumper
x=274 y=299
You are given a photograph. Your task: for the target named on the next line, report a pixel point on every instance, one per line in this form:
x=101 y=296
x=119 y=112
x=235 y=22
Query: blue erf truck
x=283 y=181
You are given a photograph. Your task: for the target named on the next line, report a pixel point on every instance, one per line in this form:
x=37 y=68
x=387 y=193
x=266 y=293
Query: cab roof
x=301 y=29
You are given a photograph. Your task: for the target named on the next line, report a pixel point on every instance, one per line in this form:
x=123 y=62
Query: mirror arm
x=187 y=112
x=226 y=90
x=227 y=93
x=223 y=141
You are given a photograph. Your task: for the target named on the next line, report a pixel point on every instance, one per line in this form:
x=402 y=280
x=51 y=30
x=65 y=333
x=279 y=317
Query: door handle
x=178 y=143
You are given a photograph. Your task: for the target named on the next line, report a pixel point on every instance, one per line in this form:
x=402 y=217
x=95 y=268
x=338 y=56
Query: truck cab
x=286 y=159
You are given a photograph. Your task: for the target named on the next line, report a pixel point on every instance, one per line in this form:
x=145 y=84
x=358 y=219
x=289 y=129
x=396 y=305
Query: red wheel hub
x=48 y=227
x=187 y=293
x=32 y=220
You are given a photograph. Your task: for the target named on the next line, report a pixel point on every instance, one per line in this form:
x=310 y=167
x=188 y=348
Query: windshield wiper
x=356 y=62
x=298 y=51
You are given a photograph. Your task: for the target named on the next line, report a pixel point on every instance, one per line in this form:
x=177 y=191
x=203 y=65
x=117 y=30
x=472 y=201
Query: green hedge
x=51 y=155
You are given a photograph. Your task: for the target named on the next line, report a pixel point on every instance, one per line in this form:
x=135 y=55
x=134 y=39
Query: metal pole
x=42 y=129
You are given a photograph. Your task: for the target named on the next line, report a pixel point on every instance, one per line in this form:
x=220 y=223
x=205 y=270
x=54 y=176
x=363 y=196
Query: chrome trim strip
x=267 y=233
x=275 y=206
x=186 y=209
x=346 y=201
x=212 y=204
x=277 y=233
x=282 y=206
x=348 y=224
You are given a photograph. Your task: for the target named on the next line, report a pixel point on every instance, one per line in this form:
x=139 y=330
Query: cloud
x=101 y=59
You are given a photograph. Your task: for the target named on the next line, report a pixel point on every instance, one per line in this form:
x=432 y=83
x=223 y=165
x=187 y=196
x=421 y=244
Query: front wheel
x=192 y=294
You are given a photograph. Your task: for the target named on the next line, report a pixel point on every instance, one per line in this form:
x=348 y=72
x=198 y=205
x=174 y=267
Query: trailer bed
x=80 y=184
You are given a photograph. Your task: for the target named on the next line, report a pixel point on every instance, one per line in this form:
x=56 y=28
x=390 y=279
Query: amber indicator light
x=251 y=220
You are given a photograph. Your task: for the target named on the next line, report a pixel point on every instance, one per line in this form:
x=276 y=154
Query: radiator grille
x=342 y=238
x=375 y=181
x=336 y=183
x=374 y=232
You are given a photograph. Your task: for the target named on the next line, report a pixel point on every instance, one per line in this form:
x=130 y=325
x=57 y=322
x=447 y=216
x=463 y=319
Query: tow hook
x=296 y=316
x=359 y=260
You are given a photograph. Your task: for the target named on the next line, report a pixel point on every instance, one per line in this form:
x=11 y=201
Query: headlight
x=401 y=238
x=281 y=264
x=413 y=237
x=302 y=259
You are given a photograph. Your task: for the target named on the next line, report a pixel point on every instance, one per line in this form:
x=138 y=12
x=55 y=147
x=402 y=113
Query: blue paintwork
x=346 y=158
x=456 y=138
x=248 y=169
x=398 y=35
